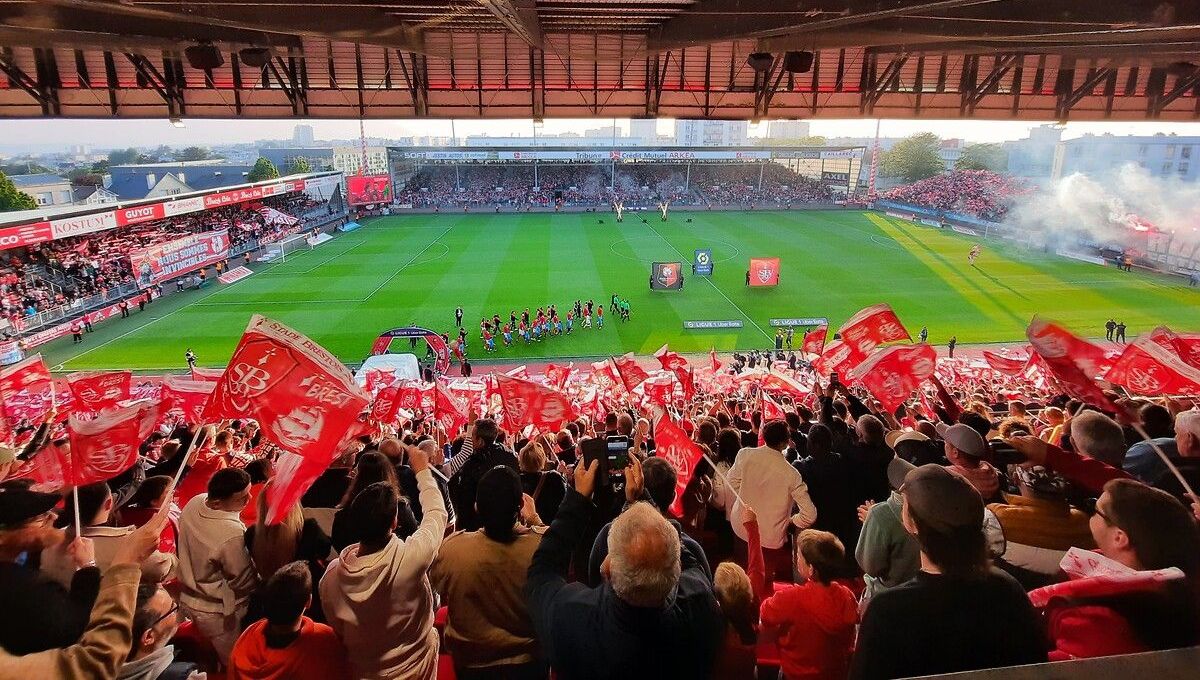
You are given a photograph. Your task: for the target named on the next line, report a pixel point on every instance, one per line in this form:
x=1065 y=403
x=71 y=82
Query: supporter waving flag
x=872 y=327
x=892 y=373
x=1146 y=367
x=814 y=340
x=1005 y=365
x=27 y=391
x=673 y=445
x=449 y=409
x=528 y=403
x=670 y=360
x=659 y=388
x=95 y=391
x=386 y=404
x=771 y=410
x=838 y=358
x=415 y=397
x=1070 y=360
x=185 y=396
x=630 y=373
x=107 y=445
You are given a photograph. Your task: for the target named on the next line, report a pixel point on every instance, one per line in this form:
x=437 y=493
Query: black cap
x=19 y=503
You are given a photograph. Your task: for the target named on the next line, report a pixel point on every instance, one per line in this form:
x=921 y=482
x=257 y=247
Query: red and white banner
x=449 y=409
x=138 y=214
x=185 y=397
x=25 y=235
x=167 y=260
x=659 y=388
x=1146 y=367
x=670 y=360
x=96 y=391
x=780 y=382
x=1186 y=345
x=628 y=370
x=106 y=446
x=764 y=271
x=303 y=397
x=771 y=410
x=26 y=391
x=872 y=327
x=556 y=376
x=207 y=374
x=528 y=403
x=234 y=275
x=838 y=358
x=673 y=445
x=1005 y=365
x=814 y=340
x=892 y=373
x=275 y=217
x=1071 y=361
x=416 y=397
x=386 y=405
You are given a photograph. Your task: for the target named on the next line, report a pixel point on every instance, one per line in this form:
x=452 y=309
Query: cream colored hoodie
x=381 y=605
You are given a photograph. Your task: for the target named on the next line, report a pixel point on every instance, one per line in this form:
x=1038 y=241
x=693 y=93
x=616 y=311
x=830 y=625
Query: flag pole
x=191 y=445
x=78 y=521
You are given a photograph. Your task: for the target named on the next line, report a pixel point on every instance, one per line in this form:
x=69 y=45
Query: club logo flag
x=414 y=397
x=630 y=373
x=186 y=397
x=672 y=445
x=1146 y=367
x=557 y=376
x=872 y=327
x=27 y=391
x=95 y=391
x=764 y=271
x=840 y=358
x=303 y=397
x=387 y=403
x=814 y=340
x=1186 y=345
x=449 y=409
x=670 y=360
x=1070 y=360
x=771 y=410
x=106 y=446
x=659 y=388
x=892 y=373
x=528 y=403
x=1005 y=365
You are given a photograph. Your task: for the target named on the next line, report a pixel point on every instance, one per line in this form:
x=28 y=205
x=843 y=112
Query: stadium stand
x=977 y=193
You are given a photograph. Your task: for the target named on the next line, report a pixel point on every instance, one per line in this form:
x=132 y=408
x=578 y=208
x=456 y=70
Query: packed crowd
x=977 y=193
x=739 y=185
x=990 y=521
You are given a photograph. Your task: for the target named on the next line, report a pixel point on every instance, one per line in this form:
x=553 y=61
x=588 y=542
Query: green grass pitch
x=416 y=268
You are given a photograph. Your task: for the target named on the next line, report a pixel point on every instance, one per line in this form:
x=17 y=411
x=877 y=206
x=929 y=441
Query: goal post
x=281 y=249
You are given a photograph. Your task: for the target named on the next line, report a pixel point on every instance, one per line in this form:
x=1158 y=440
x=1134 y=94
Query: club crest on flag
x=764 y=274
x=668 y=274
x=257 y=367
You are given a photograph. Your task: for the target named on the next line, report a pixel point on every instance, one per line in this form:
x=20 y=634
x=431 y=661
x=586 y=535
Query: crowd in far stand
x=988 y=522
x=739 y=185
x=977 y=193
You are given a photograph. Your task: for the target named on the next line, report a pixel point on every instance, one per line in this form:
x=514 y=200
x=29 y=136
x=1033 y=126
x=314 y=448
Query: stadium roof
x=998 y=59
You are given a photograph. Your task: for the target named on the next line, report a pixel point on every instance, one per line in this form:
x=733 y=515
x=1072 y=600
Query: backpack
x=464 y=485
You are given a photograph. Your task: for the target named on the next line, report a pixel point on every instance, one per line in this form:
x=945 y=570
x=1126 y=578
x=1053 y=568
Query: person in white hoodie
x=376 y=594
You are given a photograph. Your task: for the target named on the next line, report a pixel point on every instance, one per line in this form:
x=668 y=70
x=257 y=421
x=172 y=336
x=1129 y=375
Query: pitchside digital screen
x=666 y=276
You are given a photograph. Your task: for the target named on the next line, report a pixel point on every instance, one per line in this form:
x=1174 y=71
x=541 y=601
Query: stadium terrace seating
x=977 y=193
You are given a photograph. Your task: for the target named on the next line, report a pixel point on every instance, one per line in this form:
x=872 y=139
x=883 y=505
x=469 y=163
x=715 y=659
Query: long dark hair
x=370 y=467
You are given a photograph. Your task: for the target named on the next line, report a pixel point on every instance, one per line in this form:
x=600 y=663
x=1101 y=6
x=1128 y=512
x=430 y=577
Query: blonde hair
x=275 y=544
x=731 y=586
x=532 y=458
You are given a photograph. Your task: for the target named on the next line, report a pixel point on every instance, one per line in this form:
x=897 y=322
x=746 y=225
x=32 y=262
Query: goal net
x=280 y=250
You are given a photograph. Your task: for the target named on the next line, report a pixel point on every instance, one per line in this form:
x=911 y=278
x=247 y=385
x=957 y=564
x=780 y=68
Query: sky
x=17 y=136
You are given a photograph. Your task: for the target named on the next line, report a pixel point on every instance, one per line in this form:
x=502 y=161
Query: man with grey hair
x=1187 y=443
x=655 y=614
x=1097 y=436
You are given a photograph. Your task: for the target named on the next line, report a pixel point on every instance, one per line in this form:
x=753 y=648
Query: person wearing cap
x=965 y=449
x=481 y=575
x=959 y=613
x=39 y=613
x=1039 y=525
x=917 y=447
x=886 y=552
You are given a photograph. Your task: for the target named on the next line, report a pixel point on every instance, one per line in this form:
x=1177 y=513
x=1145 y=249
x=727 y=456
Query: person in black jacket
x=38 y=612
x=655 y=615
x=830 y=483
x=370 y=467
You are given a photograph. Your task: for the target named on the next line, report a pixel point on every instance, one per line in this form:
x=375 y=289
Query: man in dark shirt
x=959 y=613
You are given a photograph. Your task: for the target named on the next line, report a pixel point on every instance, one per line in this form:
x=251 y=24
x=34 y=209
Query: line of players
x=545 y=322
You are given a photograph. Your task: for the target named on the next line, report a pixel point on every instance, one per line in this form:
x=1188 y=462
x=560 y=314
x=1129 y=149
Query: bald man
x=653 y=616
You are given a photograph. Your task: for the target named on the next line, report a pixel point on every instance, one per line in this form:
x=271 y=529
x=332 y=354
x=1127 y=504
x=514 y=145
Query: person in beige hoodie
x=96 y=505
x=376 y=594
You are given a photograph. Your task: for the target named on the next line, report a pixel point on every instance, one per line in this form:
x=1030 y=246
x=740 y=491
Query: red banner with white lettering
x=872 y=327
x=673 y=445
x=1005 y=365
x=95 y=391
x=892 y=373
x=107 y=445
x=1072 y=361
x=1146 y=367
x=184 y=397
x=528 y=403
x=630 y=373
x=158 y=263
x=814 y=340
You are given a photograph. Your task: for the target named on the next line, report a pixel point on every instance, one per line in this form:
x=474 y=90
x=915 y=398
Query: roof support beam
x=876 y=85
x=286 y=74
x=974 y=92
x=43 y=93
x=166 y=88
x=520 y=17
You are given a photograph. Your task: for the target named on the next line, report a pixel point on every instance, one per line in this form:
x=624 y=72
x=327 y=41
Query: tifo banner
x=764 y=271
x=368 y=189
x=234 y=275
x=273 y=216
x=158 y=263
x=702 y=264
x=666 y=276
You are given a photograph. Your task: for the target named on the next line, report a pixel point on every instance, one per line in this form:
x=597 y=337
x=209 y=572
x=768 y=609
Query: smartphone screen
x=618 y=454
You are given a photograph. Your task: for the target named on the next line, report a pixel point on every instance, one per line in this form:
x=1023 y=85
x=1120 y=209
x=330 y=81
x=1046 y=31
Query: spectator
x=965 y=450
x=95 y=511
x=376 y=594
x=869 y=455
x=762 y=478
x=816 y=619
x=370 y=468
x=292 y=538
x=547 y=487
x=887 y=553
x=653 y=616
x=828 y=477
x=1187 y=446
x=215 y=572
x=482 y=450
x=288 y=644
x=959 y=613
x=156 y=618
x=1099 y=437
x=481 y=577
x=1039 y=525
x=1141 y=461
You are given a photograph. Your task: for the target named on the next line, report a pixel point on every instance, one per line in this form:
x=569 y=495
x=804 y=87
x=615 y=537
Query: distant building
x=543 y=141
x=1033 y=157
x=93 y=195
x=787 y=129
x=711 y=132
x=160 y=180
x=644 y=129
x=47 y=189
x=302 y=135
x=348 y=159
x=283 y=159
x=1160 y=155
x=950 y=150
x=608 y=131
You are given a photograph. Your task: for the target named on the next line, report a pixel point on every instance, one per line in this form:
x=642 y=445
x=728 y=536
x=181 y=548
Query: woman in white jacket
x=377 y=595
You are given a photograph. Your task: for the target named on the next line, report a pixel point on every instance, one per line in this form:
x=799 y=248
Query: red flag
x=764 y=271
x=519 y=372
x=557 y=375
x=659 y=388
x=631 y=374
x=207 y=374
x=814 y=340
x=687 y=380
x=712 y=356
x=1069 y=359
x=528 y=403
x=1186 y=345
x=892 y=373
x=414 y=396
x=94 y=391
x=780 y=382
x=1146 y=367
x=838 y=358
x=672 y=445
x=771 y=410
x=449 y=409
x=670 y=360
x=872 y=327
x=27 y=391
x=187 y=396
x=1005 y=365
x=386 y=404
x=106 y=446
x=302 y=396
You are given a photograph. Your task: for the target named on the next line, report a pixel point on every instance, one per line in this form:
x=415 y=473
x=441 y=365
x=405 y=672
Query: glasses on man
x=173 y=610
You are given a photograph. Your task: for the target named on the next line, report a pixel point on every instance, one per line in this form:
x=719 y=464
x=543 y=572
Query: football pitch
x=415 y=269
